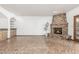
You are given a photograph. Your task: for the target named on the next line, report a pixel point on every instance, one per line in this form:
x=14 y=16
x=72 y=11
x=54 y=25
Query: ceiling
x=38 y=9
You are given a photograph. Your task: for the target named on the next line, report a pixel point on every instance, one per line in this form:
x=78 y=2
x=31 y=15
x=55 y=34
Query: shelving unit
x=12 y=27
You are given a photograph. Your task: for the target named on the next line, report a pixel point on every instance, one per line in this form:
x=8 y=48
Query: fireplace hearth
x=57 y=30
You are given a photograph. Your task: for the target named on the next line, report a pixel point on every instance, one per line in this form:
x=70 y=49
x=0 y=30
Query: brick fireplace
x=59 y=26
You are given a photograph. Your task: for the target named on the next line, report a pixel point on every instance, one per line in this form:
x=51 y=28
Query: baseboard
x=29 y=35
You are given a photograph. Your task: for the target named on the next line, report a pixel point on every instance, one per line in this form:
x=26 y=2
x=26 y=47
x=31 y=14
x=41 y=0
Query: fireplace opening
x=57 y=30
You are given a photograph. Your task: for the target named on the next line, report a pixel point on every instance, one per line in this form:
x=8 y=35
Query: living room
x=40 y=28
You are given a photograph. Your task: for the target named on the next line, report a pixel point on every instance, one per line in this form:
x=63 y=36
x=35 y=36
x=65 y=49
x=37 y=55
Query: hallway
x=38 y=45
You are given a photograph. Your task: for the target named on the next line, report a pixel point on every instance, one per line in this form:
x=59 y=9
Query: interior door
x=76 y=28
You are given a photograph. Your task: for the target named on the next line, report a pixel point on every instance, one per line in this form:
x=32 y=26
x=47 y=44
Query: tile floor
x=38 y=45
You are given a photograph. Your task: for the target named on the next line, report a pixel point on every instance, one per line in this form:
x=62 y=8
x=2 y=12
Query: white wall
x=32 y=25
x=3 y=23
x=70 y=19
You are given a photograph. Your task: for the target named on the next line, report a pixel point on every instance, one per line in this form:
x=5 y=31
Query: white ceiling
x=38 y=9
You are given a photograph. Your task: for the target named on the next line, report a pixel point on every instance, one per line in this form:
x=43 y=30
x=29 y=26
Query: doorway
x=76 y=28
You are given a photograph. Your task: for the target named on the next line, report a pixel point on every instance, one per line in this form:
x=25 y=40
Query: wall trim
x=29 y=35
